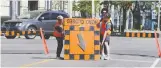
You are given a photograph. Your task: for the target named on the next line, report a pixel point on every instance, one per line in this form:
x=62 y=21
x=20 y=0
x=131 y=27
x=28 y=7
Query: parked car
x=32 y=21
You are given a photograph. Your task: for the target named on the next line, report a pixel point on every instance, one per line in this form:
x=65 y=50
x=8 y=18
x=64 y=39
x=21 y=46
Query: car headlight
x=19 y=24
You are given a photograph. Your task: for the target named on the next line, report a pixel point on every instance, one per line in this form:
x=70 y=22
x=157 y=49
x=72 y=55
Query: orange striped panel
x=133 y=34
x=97 y=47
x=66 y=27
x=87 y=28
x=7 y=33
x=23 y=32
x=149 y=35
x=96 y=57
x=76 y=57
x=66 y=37
x=144 y=35
x=96 y=37
x=66 y=47
x=86 y=57
x=29 y=32
x=76 y=27
x=127 y=34
x=18 y=34
x=96 y=28
x=66 y=56
x=12 y=33
x=138 y=34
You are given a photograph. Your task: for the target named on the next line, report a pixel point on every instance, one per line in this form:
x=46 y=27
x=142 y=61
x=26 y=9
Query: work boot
x=59 y=58
x=107 y=58
x=102 y=57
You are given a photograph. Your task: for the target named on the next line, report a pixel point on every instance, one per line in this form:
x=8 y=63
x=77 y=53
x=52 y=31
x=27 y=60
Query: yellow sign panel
x=81 y=39
x=88 y=37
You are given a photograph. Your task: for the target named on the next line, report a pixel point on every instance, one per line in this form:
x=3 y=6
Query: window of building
x=32 y=5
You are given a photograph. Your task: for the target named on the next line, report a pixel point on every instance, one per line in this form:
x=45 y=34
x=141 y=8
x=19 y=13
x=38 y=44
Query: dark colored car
x=32 y=21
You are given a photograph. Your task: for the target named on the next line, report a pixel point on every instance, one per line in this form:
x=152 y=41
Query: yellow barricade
x=81 y=39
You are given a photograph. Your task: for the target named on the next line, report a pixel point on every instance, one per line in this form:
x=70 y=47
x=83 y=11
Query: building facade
x=18 y=7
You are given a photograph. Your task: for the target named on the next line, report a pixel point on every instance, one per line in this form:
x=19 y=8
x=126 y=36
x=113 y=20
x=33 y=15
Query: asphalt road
x=125 y=52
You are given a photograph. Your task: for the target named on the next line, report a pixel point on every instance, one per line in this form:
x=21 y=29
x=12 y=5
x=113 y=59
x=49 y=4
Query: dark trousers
x=60 y=45
x=104 y=46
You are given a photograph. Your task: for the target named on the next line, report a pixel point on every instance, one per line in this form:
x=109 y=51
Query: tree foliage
x=85 y=7
x=125 y=5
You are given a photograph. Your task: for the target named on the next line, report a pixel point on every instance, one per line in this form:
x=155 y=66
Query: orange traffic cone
x=44 y=42
x=158 y=45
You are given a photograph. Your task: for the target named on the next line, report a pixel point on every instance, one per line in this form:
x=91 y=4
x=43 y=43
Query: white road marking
x=131 y=60
x=155 y=63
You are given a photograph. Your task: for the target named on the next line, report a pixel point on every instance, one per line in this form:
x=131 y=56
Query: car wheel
x=10 y=37
x=31 y=28
x=46 y=36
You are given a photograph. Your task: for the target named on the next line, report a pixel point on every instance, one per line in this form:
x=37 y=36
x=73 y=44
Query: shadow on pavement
x=47 y=58
x=135 y=55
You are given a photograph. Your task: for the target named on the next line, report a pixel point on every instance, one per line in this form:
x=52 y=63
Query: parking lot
x=125 y=52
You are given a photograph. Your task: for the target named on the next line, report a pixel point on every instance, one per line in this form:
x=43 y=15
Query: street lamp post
x=159 y=6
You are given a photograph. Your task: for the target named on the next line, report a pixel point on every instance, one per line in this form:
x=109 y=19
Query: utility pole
x=93 y=9
x=14 y=9
x=159 y=6
x=70 y=6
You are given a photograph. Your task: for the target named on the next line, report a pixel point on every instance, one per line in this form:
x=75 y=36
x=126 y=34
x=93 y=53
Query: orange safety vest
x=103 y=27
x=56 y=33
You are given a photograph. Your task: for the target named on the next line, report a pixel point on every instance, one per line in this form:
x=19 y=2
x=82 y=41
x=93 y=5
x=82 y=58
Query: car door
x=44 y=18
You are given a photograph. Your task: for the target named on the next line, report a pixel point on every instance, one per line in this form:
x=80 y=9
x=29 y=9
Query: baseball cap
x=60 y=17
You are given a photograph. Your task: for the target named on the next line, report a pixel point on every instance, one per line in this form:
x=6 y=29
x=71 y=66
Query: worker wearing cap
x=59 y=34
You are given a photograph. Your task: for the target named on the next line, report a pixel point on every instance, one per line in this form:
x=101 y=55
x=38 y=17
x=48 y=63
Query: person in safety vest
x=59 y=34
x=105 y=29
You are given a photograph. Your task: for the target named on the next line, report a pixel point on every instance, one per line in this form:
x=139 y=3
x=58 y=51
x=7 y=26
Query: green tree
x=125 y=5
x=85 y=7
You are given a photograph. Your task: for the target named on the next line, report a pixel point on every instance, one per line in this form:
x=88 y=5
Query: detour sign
x=81 y=39
x=79 y=21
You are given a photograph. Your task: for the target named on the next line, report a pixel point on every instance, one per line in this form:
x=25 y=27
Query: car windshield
x=29 y=15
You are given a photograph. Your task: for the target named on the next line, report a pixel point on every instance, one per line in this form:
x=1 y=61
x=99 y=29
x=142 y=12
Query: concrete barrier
x=17 y=33
x=141 y=34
